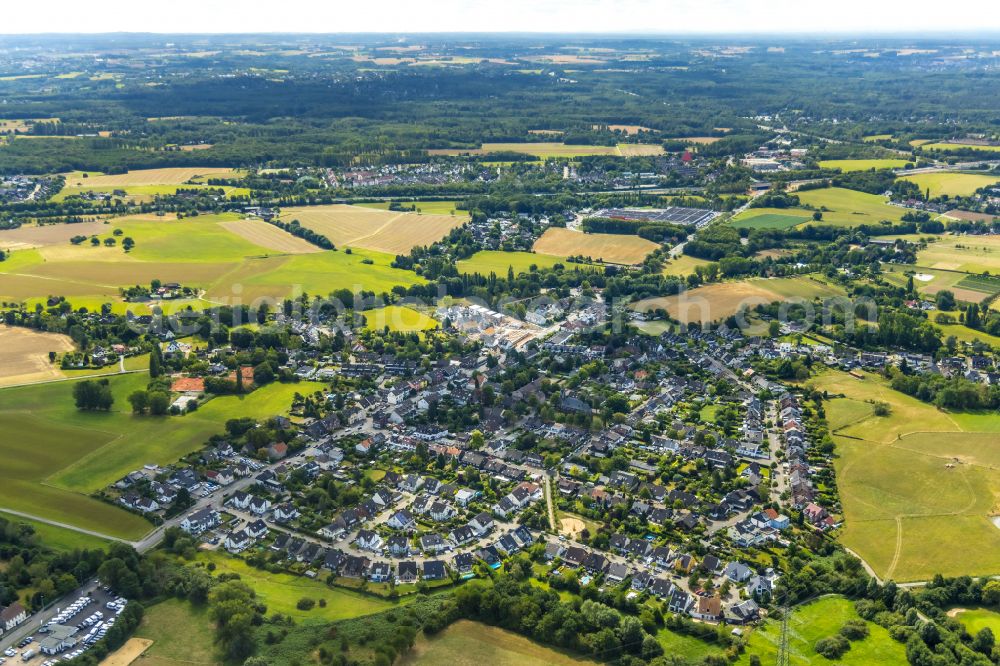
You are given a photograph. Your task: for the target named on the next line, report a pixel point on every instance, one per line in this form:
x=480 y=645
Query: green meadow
x=197 y=252
x=917 y=485
x=424 y=207
x=849 y=208
x=771 y=218
x=398 y=318
x=820 y=619
x=952 y=183
x=58 y=455
x=863 y=165
x=495 y=261
x=281 y=592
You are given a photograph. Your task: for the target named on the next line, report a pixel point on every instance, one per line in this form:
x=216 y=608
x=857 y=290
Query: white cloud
x=644 y=16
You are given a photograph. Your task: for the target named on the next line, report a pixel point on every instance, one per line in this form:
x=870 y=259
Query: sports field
x=495 y=261
x=719 y=300
x=373 y=229
x=467 y=643
x=918 y=486
x=544 y=150
x=57 y=455
x=849 y=208
x=771 y=218
x=607 y=248
x=977 y=619
x=24 y=355
x=863 y=165
x=819 y=619
x=952 y=183
x=945 y=147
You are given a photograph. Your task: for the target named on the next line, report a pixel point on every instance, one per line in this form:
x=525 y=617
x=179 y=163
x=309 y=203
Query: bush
x=854 y=630
x=305 y=603
x=832 y=647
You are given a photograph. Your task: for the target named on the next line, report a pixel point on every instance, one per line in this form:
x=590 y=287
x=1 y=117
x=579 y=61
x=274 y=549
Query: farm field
x=281 y=592
x=373 y=229
x=267 y=235
x=918 y=486
x=485 y=262
x=233 y=261
x=971 y=254
x=609 y=248
x=146 y=193
x=876 y=137
x=181 y=633
x=425 y=207
x=24 y=355
x=719 y=300
x=398 y=318
x=59 y=454
x=945 y=147
x=58 y=538
x=545 y=150
x=951 y=183
x=771 y=218
x=683 y=265
x=863 y=165
x=819 y=619
x=467 y=643
x=849 y=208
x=26 y=237
x=166 y=176
x=279 y=277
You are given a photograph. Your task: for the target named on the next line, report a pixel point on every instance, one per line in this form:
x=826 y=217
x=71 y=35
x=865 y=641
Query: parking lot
x=91 y=614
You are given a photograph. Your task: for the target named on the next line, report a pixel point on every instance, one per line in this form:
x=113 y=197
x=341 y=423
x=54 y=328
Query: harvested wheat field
x=50 y=234
x=267 y=235
x=127 y=653
x=610 y=248
x=24 y=355
x=719 y=300
x=168 y=176
x=373 y=229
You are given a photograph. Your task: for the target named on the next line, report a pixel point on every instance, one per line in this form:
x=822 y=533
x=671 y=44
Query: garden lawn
x=819 y=619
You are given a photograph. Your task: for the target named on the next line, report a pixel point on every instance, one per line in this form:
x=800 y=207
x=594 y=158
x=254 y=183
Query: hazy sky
x=647 y=16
